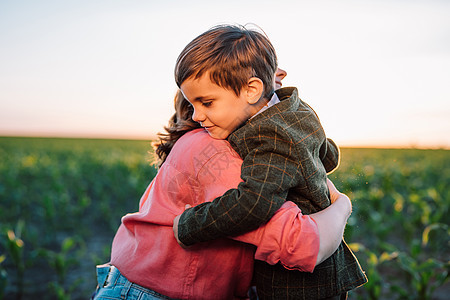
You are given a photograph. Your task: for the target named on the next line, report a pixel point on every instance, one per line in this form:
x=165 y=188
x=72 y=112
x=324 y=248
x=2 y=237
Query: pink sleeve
x=289 y=237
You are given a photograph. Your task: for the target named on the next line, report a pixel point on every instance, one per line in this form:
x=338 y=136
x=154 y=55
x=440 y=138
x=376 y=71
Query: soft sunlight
x=376 y=72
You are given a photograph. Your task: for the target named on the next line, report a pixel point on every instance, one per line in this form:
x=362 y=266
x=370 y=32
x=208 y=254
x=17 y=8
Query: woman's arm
x=299 y=241
x=331 y=222
x=296 y=240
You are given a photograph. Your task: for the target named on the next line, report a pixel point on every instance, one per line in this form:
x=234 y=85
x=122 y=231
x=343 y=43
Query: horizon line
x=152 y=137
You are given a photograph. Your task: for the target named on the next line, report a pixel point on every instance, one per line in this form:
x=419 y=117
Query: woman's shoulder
x=199 y=140
x=198 y=147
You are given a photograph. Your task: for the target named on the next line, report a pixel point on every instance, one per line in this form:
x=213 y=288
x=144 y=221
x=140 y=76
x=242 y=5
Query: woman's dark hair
x=180 y=123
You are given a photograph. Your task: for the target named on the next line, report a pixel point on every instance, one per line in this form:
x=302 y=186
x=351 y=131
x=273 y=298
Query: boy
x=226 y=74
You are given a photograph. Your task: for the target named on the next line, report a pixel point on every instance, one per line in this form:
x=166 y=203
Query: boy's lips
x=208 y=127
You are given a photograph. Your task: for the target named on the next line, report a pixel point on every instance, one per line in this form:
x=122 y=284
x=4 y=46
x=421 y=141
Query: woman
x=147 y=260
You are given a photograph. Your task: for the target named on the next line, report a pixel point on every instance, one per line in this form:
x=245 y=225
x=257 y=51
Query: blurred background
x=86 y=85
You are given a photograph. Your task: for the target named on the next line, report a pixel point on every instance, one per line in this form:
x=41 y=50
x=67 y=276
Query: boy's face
x=217 y=109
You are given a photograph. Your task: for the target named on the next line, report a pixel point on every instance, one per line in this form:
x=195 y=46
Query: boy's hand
x=175 y=228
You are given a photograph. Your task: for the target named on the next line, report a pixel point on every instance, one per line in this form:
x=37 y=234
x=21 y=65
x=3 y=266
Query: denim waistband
x=109 y=276
x=115 y=278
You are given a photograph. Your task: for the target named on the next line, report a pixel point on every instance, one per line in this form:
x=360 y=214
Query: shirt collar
x=274 y=100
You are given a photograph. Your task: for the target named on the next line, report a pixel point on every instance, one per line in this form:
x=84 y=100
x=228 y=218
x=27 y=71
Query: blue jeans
x=113 y=285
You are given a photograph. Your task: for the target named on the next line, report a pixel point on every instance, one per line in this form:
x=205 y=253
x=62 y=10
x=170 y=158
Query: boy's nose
x=198 y=116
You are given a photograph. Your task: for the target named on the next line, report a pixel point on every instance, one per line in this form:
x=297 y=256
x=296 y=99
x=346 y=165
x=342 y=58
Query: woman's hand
x=336 y=195
x=331 y=222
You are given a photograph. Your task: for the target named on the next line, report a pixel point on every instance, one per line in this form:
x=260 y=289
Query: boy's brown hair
x=232 y=54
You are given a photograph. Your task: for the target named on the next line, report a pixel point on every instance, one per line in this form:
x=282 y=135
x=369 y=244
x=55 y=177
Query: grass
x=61 y=201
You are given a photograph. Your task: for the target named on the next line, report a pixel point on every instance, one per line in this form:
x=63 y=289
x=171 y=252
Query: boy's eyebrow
x=202 y=98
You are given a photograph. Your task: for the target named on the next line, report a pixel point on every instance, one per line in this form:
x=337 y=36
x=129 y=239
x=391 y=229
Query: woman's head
x=279 y=76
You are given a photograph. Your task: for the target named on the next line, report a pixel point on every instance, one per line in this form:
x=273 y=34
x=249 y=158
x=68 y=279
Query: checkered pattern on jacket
x=286 y=156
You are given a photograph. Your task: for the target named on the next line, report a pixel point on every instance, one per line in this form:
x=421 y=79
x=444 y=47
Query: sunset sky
x=376 y=72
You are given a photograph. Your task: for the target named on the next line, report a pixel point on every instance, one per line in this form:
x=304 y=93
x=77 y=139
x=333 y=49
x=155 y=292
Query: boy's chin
x=217 y=133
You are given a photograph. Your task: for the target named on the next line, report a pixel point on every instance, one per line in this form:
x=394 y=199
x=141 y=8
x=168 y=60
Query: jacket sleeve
x=268 y=171
x=329 y=151
x=289 y=237
x=330 y=155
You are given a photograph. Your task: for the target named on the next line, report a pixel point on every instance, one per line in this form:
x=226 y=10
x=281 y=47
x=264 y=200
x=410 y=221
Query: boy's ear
x=255 y=88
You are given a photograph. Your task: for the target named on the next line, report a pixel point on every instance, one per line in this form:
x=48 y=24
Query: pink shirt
x=199 y=169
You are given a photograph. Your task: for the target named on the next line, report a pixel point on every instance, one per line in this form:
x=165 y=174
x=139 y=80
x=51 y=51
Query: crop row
x=61 y=201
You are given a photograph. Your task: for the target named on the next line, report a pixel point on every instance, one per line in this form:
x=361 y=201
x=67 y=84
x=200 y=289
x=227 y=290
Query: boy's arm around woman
x=282 y=148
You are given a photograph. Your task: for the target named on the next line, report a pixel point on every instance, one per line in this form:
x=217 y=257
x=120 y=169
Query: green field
x=61 y=201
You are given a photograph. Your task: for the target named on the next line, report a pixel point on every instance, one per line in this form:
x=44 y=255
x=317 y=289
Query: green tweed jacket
x=286 y=156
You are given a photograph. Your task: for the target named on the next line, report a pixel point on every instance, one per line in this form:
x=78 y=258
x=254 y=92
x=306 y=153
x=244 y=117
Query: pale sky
x=377 y=72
